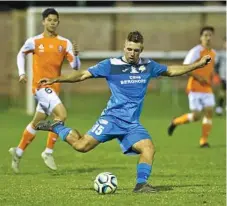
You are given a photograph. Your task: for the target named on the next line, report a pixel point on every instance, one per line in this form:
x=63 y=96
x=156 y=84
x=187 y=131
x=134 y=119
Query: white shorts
x=200 y=100
x=47 y=100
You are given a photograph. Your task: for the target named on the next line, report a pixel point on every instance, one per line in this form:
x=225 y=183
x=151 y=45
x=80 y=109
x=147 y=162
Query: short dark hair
x=206 y=28
x=135 y=36
x=49 y=11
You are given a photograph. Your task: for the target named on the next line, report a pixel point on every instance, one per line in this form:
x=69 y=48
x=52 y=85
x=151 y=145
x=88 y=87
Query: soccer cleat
x=47 y=125
x=49 y=160
x=144 y=188
x=205 y=145
x=171 y=129
x=15 y=160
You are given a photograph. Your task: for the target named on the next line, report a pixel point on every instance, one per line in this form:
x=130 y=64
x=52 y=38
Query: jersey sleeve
x=100 y=70
x=28 y=47
x=73 y=60
x=192 y=56
x=157 y=69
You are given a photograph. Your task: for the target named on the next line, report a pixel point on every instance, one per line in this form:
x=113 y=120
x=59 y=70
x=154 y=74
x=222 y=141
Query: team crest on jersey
x=133 y=70
x=60 y=48
x=142 y=68
x=41 y=48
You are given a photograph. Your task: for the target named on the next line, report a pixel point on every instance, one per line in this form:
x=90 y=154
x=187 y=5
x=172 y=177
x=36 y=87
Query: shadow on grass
x=62 y=172
x=128 y=189
x=218 y=146
x=84 y=170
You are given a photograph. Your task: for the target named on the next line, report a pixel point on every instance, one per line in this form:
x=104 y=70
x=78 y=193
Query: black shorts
x=223 y=84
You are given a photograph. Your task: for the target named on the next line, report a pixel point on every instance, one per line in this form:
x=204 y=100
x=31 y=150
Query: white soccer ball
x=105 y=183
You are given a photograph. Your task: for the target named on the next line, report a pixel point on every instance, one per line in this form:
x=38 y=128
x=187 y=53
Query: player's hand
x=23 y=79
x=205 y=60
x=46 y=81
x=75 y=48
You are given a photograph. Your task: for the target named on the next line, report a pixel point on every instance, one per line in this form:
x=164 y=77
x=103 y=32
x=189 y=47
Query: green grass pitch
x=184 y=173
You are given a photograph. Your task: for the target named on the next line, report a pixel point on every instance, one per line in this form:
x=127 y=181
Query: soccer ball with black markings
x=105 y=183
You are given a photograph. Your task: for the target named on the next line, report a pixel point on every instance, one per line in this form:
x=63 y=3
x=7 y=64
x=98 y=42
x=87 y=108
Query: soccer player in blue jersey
x=127 y=77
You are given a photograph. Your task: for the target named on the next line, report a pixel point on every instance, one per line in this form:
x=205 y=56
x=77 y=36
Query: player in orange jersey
x=200 y=95
x=49 y=51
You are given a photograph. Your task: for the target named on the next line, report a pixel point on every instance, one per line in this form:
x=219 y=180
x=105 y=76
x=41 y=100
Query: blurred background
x=100 y=29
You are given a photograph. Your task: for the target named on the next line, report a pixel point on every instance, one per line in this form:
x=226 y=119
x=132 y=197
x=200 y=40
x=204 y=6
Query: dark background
x=6 y=5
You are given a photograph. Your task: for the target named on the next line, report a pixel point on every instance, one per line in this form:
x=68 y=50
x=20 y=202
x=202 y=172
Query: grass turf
x=184 y=173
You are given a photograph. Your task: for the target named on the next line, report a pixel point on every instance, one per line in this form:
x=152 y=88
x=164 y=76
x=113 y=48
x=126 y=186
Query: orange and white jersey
x=48 y=56
x=194 y=55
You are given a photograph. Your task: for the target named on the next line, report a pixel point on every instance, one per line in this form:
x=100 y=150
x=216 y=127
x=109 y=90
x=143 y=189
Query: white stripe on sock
x=48 y=150
x=19 y=151
x=190 y=117
x=206 y=120
x=30 y=129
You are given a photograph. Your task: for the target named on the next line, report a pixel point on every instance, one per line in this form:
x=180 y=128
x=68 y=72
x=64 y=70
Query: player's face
x=132 y=51
x=206 y=38
x=51 y=22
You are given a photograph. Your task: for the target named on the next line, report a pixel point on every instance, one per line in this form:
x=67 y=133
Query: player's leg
x=52 y=105
x=67 y=134
x=103 y=130
x=81 y=143
x=138 y=141
x=100 y=132
x=221 y=98
x=59 y=114
x=27 y=137
x=146 y=150
x=195 y=114
x=209 y=103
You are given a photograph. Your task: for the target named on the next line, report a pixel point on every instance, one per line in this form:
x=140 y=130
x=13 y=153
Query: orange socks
x=206 y=128
x=183 y=119
x=52 y=138
x=27 y=137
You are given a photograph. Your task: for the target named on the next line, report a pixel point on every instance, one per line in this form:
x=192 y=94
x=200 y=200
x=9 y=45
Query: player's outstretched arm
x=28 y=47
x=75 y=76
x=177 y=70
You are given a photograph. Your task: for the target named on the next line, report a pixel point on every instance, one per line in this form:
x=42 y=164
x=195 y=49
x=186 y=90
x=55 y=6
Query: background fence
x=169 y=33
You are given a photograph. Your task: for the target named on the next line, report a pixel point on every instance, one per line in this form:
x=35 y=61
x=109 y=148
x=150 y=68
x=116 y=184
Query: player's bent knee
x=149 y=150
x=208 y=112
x=61 y=118
x=60 y=113
x=196 y=116
x=85 y=144
x=145 y=146
x=80 y=148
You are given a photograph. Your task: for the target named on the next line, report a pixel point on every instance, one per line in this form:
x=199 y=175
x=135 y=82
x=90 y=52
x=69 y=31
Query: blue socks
x=143 y=172
x=62 y=131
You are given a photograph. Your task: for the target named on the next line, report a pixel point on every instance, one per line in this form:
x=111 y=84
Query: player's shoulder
x=33 y=38
x=146 y=61
x=115 y=61
x=196 y=49
x=61 y=38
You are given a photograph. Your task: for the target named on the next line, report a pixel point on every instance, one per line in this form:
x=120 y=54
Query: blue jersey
x=128 y=84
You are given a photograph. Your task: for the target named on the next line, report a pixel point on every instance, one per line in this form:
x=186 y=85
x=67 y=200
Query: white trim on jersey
x=117 y=61
x=193 y=55
x=28 y=46
x=75 y=64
